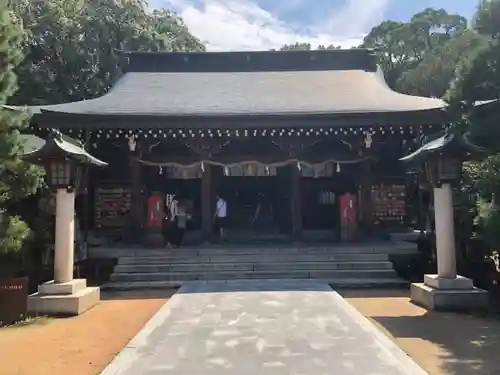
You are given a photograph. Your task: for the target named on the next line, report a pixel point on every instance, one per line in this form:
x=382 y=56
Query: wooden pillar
x=206 y=203
x=86 y=192
x=366 y=197
x=295 y=201
x=136 y=210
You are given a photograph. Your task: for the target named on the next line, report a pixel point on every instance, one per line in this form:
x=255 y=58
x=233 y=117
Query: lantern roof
x=58 y=145
x=453 y=143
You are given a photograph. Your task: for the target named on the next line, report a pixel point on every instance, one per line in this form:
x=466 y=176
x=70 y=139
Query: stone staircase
x=349 y=266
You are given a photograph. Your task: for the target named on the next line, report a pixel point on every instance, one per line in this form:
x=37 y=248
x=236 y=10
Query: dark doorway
x=256 y=205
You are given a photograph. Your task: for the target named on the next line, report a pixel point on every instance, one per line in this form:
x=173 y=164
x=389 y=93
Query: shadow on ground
x=137 y=294
x=442 y=343
x=467 y=345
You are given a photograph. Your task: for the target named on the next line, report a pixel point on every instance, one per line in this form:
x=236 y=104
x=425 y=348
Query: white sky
x=226 y=25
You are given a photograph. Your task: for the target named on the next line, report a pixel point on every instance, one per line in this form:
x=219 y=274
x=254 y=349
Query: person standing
x=169 y=228
x=182 y=218
x=220 y=216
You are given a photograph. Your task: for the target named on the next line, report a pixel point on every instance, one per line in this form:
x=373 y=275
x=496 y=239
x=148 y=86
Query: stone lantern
x=442 y=159
x=63 y=158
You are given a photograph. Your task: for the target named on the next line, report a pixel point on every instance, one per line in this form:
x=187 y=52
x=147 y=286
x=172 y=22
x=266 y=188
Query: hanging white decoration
x=368 y=140
x=132 y=143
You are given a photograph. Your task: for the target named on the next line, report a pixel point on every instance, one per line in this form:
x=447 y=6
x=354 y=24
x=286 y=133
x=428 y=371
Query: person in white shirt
x=220 y=216
x=170 y=216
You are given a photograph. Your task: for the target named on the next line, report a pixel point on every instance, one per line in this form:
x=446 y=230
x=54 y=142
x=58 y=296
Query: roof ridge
x=338 y=59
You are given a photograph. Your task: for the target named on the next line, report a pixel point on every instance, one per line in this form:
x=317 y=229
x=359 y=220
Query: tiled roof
x=254 y=83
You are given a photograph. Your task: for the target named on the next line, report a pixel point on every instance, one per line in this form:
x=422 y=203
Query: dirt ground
x=441 y=343
x=82 y=345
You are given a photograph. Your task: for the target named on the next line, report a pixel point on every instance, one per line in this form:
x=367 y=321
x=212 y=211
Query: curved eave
x=55 y=147
x=52 y=109
x=297 y=120
x=458 y=143
x=254 y=93
x=318 y=114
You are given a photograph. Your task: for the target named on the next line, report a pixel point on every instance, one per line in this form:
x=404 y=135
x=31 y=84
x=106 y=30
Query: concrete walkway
x=260 y=327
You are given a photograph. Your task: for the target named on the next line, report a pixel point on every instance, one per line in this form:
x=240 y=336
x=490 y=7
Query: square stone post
x=64 y=295
x=445 y=232
x=446 y=290
x=64 y=236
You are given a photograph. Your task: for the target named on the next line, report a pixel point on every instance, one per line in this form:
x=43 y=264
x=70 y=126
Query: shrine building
x=289 y=131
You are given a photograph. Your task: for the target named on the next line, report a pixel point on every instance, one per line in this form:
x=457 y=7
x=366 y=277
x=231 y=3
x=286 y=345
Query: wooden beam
x=136 y=211
x=86 y=192
x=366 y=197
x=296 y=202
x=206 y=203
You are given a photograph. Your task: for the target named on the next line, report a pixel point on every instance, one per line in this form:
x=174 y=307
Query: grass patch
x=30 y=321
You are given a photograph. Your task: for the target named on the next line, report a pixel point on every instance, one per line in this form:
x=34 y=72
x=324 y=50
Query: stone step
x=252 y=258
x=249 y=267
x=376 y=248
x=338 y=283
x=235 y=275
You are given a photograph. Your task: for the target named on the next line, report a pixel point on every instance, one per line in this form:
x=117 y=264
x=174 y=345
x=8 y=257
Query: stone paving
x=260 y=327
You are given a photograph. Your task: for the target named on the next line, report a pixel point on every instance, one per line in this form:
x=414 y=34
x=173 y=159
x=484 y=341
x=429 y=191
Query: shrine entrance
x=258 y=201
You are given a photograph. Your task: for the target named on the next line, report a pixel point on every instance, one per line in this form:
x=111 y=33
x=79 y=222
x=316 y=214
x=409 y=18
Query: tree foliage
x=432 y=76
x=306 y=47
x=403 y=46
x=72 y=49
x=487 y=18
x=436 y=54
x=18 y=179
x=478 y=76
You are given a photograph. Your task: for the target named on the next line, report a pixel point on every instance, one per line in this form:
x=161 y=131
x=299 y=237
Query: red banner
x=348 y=217
x=156 y=213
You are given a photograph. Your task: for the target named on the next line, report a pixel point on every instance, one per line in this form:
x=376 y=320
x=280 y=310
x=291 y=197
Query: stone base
x=448 y=294
x=71 y=298
x=458 y=283
x=70 y=287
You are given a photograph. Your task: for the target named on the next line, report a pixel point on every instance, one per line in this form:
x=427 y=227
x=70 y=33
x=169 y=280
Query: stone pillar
x=206 y=203
x=445 y=233
x=447 y=290
x=64 y=295
x=64 y=236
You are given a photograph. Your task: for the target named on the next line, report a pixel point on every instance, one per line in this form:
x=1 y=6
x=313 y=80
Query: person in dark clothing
x=168 y=226
x=181 y=220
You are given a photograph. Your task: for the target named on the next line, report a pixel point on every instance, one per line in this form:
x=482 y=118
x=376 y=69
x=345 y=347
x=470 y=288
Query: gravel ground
x=441 y=343
x=81 y=345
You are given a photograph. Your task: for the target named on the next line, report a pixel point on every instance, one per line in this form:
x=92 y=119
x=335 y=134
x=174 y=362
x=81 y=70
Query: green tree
x=17 y=178
x=306 y=47
x=403 y=46
x=477 y=77
x=487 y=18
x=433 y=75
x=72 y=50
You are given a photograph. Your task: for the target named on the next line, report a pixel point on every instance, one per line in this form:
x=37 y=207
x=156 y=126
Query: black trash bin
x=13 y=300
